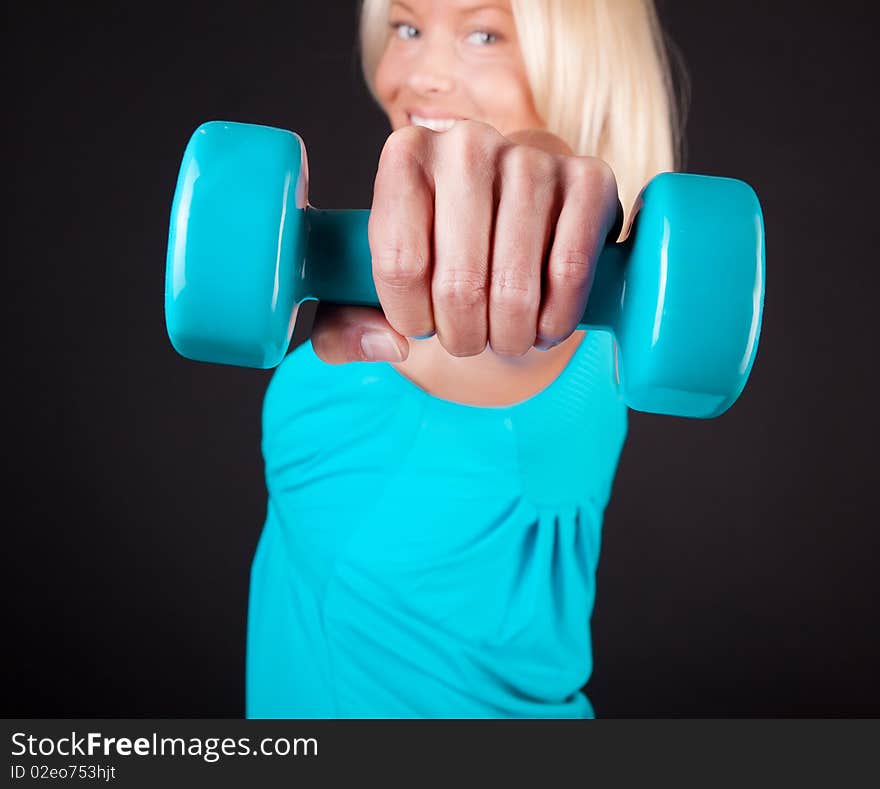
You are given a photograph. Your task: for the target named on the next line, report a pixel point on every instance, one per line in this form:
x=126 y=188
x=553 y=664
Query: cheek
x=507 y=99
x=387 y=79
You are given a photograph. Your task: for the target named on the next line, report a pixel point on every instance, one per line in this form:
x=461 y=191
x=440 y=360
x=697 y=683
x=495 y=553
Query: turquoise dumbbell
x=683 y=294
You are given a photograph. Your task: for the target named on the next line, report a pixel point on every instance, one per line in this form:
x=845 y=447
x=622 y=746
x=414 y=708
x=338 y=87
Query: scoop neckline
x=540 y=395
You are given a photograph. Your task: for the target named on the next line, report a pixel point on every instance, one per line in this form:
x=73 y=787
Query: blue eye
x=483 y=37
x=404 y=31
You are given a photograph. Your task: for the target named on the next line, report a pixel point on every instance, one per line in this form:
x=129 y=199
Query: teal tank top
x=425 y=558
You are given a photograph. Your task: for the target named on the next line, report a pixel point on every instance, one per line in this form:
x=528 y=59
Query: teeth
x=435 y=124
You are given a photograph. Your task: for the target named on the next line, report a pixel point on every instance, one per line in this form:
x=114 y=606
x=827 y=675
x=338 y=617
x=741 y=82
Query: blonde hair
x=600 y=75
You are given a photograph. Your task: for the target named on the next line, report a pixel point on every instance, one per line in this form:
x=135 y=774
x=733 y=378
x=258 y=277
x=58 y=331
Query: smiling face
x=453 y=59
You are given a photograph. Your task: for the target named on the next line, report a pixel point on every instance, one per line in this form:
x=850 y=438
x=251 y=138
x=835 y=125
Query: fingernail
x=380 y=347
x=425 y=336
x=545 y=345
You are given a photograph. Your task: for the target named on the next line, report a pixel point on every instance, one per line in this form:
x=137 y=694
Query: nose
x=433 y=72
x=430 y=82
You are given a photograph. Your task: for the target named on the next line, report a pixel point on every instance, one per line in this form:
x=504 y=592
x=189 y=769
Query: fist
x=482 y=239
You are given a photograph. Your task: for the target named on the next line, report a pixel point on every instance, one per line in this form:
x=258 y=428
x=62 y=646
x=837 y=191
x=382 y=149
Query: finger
x=463 y=214
x=400 y=230
x=526 y=214
x=356 y=334
x=587 y=218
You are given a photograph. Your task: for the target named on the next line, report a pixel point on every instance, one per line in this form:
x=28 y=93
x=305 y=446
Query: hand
x=480 y=238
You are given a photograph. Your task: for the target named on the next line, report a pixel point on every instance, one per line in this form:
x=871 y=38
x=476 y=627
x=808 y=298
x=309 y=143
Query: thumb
x=356 y=334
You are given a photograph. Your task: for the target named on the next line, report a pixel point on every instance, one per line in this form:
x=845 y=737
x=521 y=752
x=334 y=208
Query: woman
x=434 y=516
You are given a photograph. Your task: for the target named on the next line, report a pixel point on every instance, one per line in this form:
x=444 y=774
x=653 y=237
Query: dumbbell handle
x=337 y=266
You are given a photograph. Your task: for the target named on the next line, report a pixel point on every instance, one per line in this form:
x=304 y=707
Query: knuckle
x=570 y=268
x=513 y=292
x=468 y=143
x=529 y=167
x=405 y=143
x=593 y=177
x=605 y=175
x=399 y=268
x=401 y=172
x=469 y=129
x=402 y=159
x=460 y=290
x=591 y=173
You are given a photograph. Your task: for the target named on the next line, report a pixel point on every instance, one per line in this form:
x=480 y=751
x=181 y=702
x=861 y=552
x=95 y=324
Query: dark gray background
x=738 y=572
